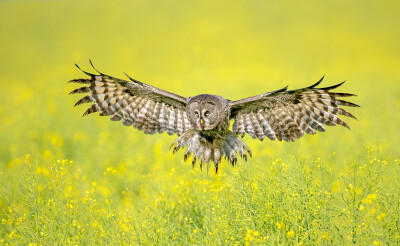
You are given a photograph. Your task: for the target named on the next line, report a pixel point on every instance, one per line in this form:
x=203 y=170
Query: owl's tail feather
x=205 y=151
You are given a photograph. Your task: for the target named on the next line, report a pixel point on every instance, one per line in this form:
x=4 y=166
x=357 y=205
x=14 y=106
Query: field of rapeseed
x=68 y=180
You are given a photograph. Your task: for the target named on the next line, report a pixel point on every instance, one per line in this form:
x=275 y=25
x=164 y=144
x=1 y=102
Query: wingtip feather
x=129 y=77
x=319 y=82
x=90 y=61
x=333 y=86
x=89 y=74
x=133 y=80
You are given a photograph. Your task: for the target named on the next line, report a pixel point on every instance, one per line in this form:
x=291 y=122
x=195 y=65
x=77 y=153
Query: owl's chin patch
x=207 y=128
x=211 y=149
x=203 y=128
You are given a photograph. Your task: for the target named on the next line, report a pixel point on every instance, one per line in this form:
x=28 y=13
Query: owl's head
x=204 y=111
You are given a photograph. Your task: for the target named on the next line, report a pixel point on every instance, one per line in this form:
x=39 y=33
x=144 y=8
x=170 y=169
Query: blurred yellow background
x=230 y=48
x=234 y=49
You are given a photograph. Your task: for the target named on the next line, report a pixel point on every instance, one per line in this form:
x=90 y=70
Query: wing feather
x=120 y=109
x=151 y=126
x=145 y=107
x=266 y=127
x=249 y=126
x=258 y=129
x=286 y=115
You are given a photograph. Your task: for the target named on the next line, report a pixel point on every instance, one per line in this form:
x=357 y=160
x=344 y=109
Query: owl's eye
x=207 y=113
x=196 y=113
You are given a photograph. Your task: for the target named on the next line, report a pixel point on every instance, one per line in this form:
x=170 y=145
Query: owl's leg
x=217 y=158
x=229 y=146
x=206 y=150
x=217 y=154
x=194 y=143
x=233 y=145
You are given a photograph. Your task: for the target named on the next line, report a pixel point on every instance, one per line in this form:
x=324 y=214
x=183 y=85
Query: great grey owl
x=202 y=122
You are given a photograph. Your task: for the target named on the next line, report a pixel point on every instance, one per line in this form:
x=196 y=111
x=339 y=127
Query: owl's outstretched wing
x=286 y=115
x=145 y=107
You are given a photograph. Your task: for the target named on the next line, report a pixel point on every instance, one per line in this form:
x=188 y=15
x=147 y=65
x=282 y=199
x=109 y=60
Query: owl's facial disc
x=203 y=113
x=209 y=114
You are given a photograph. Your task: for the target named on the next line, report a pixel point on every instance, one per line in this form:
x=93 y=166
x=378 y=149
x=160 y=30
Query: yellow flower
x=381 y=216
x=252 y=235
x=27 y=158
x=290 y=234
x=124 y=227
x=369 y=199
x=335 y=186
x=326 y=236
x=280 y=225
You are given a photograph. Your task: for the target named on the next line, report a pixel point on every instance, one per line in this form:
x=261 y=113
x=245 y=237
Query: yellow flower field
x=68 y=180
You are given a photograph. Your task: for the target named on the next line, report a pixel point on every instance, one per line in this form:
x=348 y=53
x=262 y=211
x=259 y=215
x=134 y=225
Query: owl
x=202 y=122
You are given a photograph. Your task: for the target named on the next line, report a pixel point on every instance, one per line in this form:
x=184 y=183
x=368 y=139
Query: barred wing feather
x=145 y=107
x=286 y=115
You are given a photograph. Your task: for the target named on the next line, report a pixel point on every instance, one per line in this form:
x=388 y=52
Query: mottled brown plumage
x=202 y=122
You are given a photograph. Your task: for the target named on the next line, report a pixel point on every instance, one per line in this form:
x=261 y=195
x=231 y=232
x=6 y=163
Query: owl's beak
x=201 y=122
